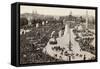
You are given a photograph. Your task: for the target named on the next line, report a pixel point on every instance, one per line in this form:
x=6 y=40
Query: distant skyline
x=55 y=10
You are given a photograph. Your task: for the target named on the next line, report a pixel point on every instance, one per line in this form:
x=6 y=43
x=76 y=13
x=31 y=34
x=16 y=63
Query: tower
x=86 y=19
x=70 y=44
x=29 y=20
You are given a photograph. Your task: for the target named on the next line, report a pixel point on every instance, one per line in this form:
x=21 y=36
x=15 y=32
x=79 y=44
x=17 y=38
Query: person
x=55 y=55
x=52 y=34
x=60 y=57
x=84 y=57
x=37 y=25
x=53 y=38
x=61 y=32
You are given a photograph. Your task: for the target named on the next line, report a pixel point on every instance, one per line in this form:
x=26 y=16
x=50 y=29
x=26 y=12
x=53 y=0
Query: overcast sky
x=55 y=10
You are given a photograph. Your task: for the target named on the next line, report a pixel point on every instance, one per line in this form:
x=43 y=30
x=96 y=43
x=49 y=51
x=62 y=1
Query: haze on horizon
x=56 y=11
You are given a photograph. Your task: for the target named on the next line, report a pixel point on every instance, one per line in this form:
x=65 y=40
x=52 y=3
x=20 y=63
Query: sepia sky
x=55 y=10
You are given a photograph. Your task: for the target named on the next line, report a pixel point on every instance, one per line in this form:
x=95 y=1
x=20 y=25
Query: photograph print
x=57 y=34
